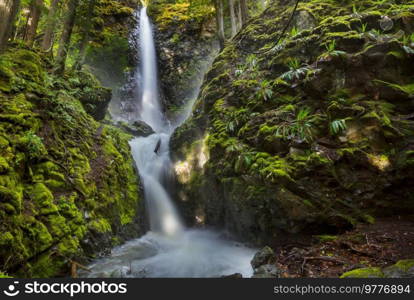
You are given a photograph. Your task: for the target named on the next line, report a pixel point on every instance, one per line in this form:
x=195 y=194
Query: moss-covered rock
x=186 y=45
x=68 y=188
x=402 y=269
x=364 y=273
x=312 y=134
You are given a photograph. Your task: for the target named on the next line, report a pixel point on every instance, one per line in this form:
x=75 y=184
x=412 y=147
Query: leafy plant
x=337 y=126
x=331 y=50
x=265 y=91
x=407 y=89
x=294 y=31
x=296 y=71
x=294 y=64
x=408 y=39
x=33 y=145
x=300 y=127
x=363 y=28
x=235 y=119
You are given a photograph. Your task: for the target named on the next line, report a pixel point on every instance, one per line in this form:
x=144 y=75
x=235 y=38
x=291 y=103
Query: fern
x=407 y=89
x=337 y=126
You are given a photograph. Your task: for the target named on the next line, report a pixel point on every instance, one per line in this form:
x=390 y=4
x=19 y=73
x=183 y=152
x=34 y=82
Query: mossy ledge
x=68 y=188
x=312 y=135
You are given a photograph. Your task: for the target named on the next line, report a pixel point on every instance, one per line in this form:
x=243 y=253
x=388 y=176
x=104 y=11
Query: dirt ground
x=368 y=245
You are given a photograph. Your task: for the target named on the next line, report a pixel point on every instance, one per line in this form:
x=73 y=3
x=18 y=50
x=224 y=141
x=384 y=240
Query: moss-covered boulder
x=364 y=273
x=311 y=132
x=402 y=269
x=68 y=188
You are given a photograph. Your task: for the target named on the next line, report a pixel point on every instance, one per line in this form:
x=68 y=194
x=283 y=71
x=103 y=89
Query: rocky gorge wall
x=68 y=188
x=309 y=133
x=186 y=45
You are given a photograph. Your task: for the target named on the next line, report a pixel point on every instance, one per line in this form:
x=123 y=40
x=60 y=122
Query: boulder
x=138 y=128
x=402 y=269
x=263 y=257
x=267 y=271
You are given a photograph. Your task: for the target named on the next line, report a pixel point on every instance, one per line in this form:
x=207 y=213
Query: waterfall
x=150 y=108
x=151 y=153
x=168 y=249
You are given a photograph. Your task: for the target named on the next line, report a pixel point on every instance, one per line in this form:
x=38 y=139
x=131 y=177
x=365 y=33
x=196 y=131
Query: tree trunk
x=66 y=35
x=232 y=18
x=220 y=21
x=244 y=11
x=83 y=46
x=35 y=11
x=50 y=26
x=239 y=16
x=8 y=12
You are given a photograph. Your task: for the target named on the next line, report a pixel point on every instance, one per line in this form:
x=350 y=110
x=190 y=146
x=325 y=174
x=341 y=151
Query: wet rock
x=304 y=20
x=263 y=257
x=267 y=271
x=138 y=128
x=232 y=276
x=402 y=269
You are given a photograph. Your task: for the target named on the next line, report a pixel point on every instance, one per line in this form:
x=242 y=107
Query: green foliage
x=294 y=31
x=34 y=145
x=331 y=50
x=407 y=89
x=296 y=72
x=264 y=91
x=363 y=28
x=337 y=126
x=57 y=164
x=301 y=127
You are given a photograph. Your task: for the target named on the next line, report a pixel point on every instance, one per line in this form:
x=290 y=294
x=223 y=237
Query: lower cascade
x=168 y=249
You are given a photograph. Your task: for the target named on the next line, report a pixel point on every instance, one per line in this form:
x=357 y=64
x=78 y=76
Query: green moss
x=405 y=265
x=3 y=275
x=364 y=273
x=100 y=225
x=57 y=165
x=326 y=238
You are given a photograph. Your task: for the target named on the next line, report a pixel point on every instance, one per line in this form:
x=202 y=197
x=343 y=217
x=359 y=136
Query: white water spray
x=168 y=250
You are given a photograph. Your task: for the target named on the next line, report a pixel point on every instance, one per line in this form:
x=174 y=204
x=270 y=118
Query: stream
x=169 y=249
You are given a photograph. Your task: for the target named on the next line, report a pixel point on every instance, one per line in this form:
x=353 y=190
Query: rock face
x=186 y=46
x=96 y=100
x=68 y=188
x=311 y=135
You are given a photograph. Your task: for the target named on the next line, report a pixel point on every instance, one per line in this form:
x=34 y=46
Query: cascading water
x=150 y=107
x=169 y=249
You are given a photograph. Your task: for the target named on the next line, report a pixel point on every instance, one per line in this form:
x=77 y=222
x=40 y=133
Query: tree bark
x=66 y=36
x=220 y=21
x=50 y=26
x=83 y=46
x=35 y=11
x=244 y=11
x=232 y=18
x=8 y=12
x=239 y=16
